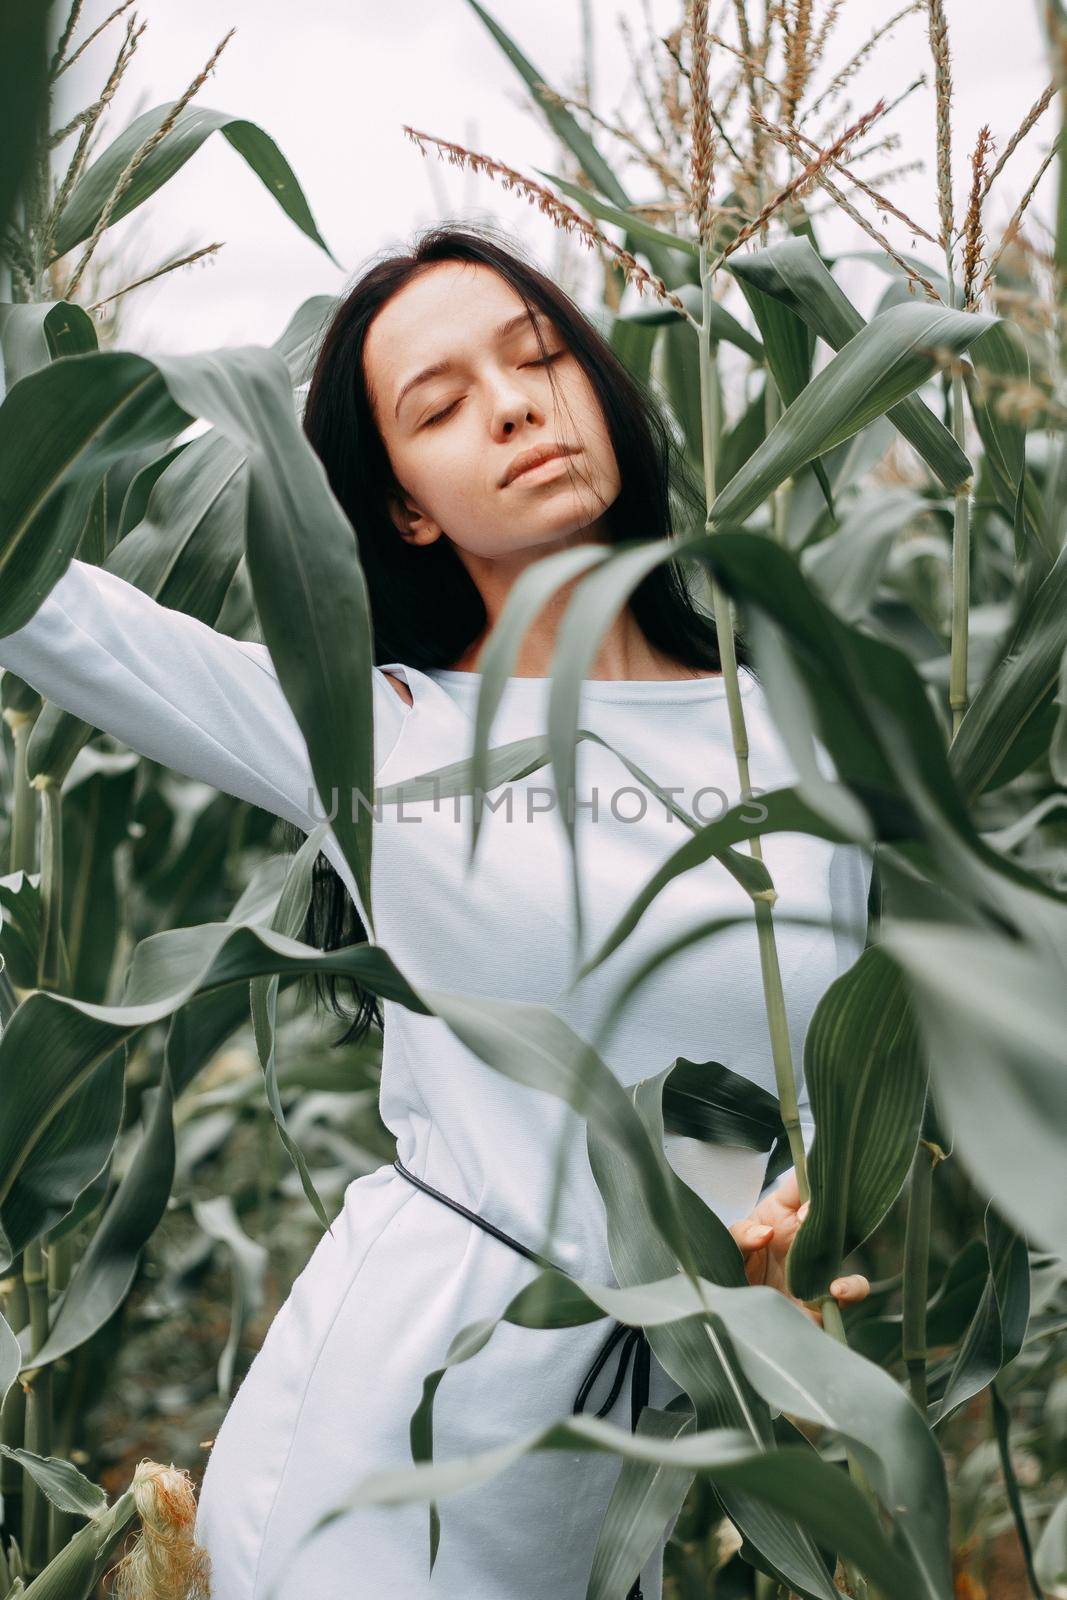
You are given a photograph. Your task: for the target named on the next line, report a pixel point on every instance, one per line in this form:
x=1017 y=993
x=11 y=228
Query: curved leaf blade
x=867 y=1083
x=570 y=133
x=193 y=125
x=884 y=362
x=795 y=273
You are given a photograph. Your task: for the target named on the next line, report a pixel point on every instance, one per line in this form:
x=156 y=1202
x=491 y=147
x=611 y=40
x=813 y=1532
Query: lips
x=535 y=457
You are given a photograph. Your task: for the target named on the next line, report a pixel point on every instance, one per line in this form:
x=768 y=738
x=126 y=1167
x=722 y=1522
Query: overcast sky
x=333 y=82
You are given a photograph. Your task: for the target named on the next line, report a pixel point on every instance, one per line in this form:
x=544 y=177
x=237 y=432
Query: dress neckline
x=671 y=690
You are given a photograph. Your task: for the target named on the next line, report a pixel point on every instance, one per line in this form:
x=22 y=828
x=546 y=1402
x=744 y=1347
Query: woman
x=471 y=420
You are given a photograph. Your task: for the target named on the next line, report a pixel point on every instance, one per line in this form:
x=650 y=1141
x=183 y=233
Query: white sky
x=335 y=87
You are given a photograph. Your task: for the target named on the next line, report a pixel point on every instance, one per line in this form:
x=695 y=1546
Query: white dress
x=329 y=1396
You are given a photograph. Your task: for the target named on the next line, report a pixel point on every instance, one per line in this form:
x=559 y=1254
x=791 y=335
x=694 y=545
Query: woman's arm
x=177 y=691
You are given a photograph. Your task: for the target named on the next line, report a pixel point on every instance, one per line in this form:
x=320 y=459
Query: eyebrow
x=439 y=367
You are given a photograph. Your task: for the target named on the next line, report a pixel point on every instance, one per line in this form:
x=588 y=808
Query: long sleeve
x=176 y=690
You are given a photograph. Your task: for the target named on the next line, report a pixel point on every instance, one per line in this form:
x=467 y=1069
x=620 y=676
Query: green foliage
x=149 y=935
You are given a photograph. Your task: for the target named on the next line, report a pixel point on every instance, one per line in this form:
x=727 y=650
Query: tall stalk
x=22 y=855
x=15 y=1304
x=961 y=550
x=917 y=1272
x=15 y=1483
x=62 y=1525
x=773 y=995
x=1056 y=25
x=724 y=625
x=771 y=972
x=42 y=1534
x=961 y=520
x=38 y=1435
x=1056 y=38
x=52 y=966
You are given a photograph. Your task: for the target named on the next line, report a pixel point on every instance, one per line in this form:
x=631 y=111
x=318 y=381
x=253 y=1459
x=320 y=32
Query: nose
x=513 y=406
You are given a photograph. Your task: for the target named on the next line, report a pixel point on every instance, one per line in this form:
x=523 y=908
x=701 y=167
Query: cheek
x=584 y=406
x=593 y=433
x=422 y=461
x=439 y=473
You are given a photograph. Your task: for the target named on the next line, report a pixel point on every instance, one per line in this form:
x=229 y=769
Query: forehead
x=449 y=302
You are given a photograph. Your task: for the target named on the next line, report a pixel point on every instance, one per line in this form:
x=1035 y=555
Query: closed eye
x=545 y=362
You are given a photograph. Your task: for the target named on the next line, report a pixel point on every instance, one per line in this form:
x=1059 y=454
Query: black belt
x=629 y=1339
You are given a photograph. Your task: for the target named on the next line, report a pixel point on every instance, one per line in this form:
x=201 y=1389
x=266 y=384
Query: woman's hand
x=764 y=1239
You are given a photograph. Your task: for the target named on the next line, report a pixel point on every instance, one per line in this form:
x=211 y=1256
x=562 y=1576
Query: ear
x=415 y=526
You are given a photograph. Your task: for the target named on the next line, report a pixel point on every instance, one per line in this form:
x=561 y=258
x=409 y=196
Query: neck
x=624 y=652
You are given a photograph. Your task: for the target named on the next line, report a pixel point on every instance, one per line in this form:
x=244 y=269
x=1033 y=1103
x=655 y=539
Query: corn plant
x=142 y=851
x=883 y=522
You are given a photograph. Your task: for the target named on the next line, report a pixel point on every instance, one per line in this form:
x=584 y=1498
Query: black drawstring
x=632 y=1340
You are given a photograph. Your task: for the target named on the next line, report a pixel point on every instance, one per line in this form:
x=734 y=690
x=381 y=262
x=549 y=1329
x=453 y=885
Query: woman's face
x=452 y=435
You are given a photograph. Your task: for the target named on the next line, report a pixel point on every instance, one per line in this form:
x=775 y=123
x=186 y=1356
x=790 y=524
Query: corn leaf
x=194 y=124
x=570 y=133
x=794 y=273
x=880 y=366
x=866 y=1078
x=1009 y=720
x=993 y=1014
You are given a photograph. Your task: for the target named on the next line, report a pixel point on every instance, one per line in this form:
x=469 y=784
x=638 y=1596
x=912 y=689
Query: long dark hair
x=426 y=609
